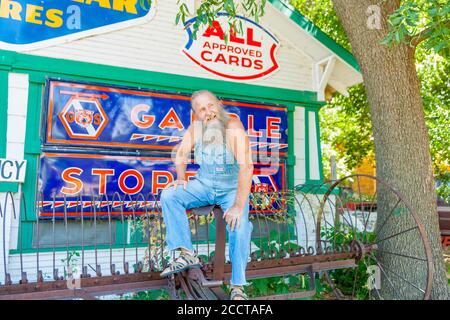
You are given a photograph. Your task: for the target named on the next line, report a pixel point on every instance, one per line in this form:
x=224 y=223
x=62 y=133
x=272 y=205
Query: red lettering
x=250 y=40
x=171 y=120
x=97 y=119
x=258 y=64
x=156 y=184
x=214 y=30
x=77 y=183
x=445 y=241
x=139 y=181
x=190 y=174
x=251 y=131
x=273 y=130
x=234 y=60
x=220 y=58
x=147 y=120
x=70 y=117
x=246 y=62
x=102 y=173
x=204 y=57
x=235 y=38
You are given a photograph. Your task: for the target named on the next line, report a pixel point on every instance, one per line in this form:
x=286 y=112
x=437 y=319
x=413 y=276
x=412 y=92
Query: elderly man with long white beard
x=221 y=148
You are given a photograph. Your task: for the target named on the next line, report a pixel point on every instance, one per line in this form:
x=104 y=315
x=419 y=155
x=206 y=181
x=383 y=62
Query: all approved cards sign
x=247 y=56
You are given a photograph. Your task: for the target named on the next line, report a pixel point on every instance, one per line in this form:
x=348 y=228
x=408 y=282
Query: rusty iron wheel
x=366 y=216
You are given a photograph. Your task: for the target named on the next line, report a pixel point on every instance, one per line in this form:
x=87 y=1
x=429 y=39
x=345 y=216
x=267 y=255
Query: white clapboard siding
x=156 y=46
x=307 y=209
x=29 y=261
x=299 y=146
x=15 y=141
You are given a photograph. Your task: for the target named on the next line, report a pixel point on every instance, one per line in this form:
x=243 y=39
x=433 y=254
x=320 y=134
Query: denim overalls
x=215 y=183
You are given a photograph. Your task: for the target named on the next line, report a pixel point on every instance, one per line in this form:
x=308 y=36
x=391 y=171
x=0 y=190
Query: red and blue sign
x=96 y=116
x=30 y=24
x=122 y=185
x=247 y=55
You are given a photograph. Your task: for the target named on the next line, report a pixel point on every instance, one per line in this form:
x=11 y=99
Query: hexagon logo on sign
x=83 y=116
x=247 y=56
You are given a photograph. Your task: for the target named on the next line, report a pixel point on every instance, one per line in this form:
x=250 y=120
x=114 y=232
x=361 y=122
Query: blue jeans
x=201 y=191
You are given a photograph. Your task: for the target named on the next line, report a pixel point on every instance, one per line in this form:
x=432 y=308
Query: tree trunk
x=400 y=134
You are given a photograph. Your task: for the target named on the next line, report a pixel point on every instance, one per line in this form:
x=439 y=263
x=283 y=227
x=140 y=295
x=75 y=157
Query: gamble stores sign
x=249 y=56
x=104 y=140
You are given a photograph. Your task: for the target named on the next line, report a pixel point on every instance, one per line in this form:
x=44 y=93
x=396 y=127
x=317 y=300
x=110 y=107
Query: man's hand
x=176 y=183
x=233 y=217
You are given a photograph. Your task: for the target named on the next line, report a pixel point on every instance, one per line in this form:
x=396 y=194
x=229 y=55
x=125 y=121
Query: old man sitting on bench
x=221 y=148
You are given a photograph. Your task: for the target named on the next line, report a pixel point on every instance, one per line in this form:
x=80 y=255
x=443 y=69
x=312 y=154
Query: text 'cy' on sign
x=32 y=24
x=12 y=170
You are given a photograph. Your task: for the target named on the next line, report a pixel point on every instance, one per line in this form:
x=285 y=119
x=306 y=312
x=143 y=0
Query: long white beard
x=214 y=133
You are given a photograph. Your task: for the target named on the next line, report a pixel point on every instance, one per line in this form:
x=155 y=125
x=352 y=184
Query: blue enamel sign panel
x=100 y=116
x=122 y=184
x=30 y=24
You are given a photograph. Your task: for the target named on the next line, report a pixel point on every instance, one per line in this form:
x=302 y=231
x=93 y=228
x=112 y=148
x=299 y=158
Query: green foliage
x=350 y=281
x=160 y=294
x=276 y=285
x=71 y=261
x=426 y=21
x=346 y=130
x=145 y=4
x=322 y=13
x=208 y=9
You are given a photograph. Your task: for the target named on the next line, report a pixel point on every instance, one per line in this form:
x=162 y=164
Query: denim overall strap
x=216 y=160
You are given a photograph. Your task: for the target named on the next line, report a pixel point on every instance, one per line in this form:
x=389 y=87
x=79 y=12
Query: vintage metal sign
x=119 y=183
x=247 y=56
x=31 y=24
x=12 y=170
x=112 y=117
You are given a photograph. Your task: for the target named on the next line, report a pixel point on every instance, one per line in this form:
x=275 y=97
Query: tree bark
x=401 y=137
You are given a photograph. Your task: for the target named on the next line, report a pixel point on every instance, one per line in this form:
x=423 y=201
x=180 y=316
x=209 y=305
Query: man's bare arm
x=182 y=158
x=239 y=143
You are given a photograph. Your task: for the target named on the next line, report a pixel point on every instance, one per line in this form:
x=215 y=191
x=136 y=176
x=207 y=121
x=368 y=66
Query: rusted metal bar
x=219 y=258
x=151 y=278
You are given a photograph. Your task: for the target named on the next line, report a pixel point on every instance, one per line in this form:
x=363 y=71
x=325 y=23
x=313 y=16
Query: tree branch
x=424 y=35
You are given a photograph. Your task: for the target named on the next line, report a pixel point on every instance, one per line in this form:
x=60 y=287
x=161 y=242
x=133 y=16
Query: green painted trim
x=319 y=147
x=308 y=179
x=75 y=248
x=307 y=160
x=38 y=68
x=27 y=238
x=3 y=111
x=32 y=149
x=9 y=186
x=314 y=31
x=291 y=151
x=320 y=189
x=32 y=133
x=152 y=80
